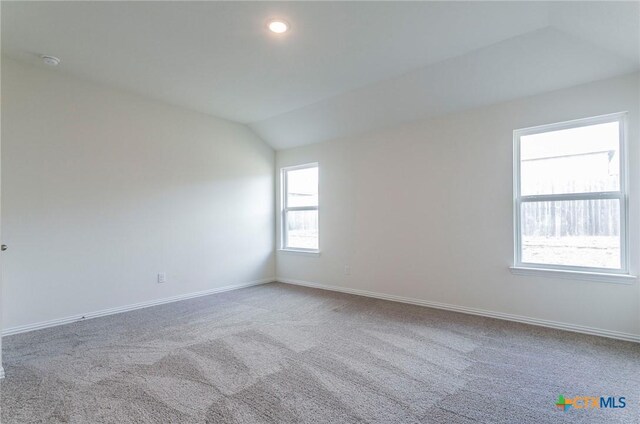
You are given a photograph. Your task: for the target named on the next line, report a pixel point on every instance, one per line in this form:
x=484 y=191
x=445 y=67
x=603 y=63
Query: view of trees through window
x=563 y=230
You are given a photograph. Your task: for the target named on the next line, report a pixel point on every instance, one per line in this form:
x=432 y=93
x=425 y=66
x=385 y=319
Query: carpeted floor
x=286 y=354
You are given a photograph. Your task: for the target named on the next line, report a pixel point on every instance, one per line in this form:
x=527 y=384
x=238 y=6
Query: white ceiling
x=344 y=68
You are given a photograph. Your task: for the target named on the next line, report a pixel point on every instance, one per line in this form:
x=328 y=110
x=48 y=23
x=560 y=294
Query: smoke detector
x=50 y=60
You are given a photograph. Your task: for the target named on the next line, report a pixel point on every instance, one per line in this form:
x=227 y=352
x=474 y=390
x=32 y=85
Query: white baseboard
x=126 y=308
x=1 y=373
x=472 y=311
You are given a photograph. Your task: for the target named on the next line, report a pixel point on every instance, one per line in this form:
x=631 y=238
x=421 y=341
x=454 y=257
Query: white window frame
x=569 y=271
x=285 y=208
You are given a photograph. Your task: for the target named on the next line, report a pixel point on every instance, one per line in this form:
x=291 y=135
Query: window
x=300 y=208
x=570 y=196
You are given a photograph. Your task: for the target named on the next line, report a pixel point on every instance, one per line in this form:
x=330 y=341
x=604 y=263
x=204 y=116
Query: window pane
x=302 y=187
x=302 y=229
x=577 y=233
x=576 y=160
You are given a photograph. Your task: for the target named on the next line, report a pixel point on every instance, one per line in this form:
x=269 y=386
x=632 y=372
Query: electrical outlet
x=347 y=270
x=162 y=277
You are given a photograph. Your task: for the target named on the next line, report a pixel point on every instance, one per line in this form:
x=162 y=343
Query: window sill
x=300 y=252
x=575 y=275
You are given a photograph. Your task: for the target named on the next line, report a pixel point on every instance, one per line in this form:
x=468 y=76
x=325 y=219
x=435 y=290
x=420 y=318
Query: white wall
x=101 y=190
x=454 y=175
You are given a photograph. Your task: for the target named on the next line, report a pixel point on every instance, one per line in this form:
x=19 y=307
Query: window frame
x=622 y=195
x=284 y=208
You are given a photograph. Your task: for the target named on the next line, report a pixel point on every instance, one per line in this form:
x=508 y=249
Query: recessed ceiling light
x=278 y=26
x=50 y=60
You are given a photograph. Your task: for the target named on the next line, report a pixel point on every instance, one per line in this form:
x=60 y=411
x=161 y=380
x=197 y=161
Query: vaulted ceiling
x=344 y=68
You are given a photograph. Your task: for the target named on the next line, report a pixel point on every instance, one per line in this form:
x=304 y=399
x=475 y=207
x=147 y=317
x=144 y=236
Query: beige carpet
x=285 y=354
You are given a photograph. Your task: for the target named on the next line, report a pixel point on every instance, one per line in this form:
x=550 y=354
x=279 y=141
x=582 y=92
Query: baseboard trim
x=111 y=311
x=472 y=311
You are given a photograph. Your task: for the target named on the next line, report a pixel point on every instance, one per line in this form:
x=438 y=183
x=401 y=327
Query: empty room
x=320 y=212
